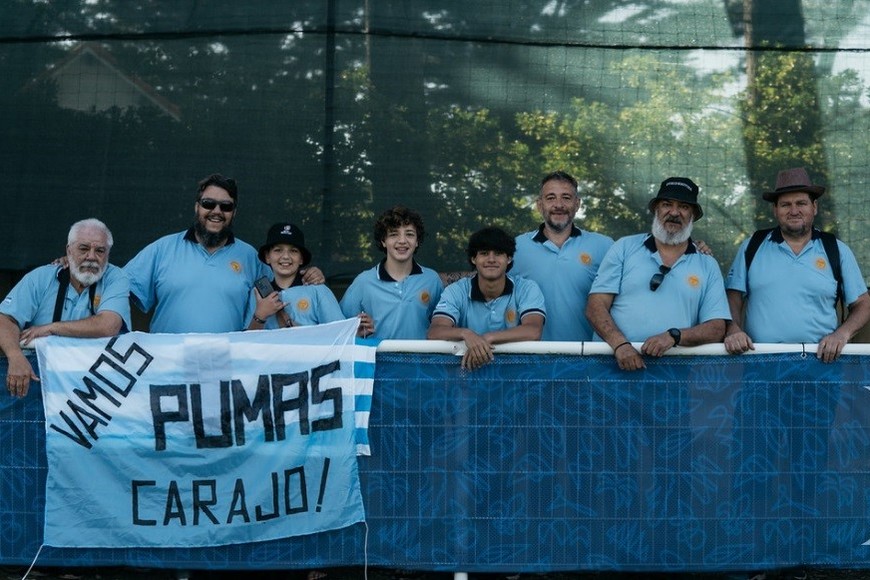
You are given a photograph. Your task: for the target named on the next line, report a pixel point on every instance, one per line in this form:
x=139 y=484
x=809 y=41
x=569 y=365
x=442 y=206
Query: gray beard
x=560 y=227
x=211 y=240
x=661 y=234
x=85 y=278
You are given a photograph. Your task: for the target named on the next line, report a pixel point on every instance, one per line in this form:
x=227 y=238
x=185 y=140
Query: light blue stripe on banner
x=365 y=352
x=363 y=403
x=364 y=370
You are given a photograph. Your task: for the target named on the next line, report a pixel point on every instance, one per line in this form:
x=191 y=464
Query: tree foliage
x=450 y=109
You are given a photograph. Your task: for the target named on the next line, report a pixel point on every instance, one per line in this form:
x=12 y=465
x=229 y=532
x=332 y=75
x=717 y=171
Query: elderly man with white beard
x=657 y=288
x=87 y=300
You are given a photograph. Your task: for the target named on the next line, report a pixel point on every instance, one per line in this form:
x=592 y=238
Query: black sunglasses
x=209 y=204
x=657 y=278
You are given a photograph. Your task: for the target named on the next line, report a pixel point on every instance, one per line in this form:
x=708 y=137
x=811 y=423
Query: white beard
x=86 y=277
x=661 y=234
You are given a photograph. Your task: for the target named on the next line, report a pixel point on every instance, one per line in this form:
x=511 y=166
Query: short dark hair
x=560 y=176
x=394 y=218
x=227 y=183
x=491 y=238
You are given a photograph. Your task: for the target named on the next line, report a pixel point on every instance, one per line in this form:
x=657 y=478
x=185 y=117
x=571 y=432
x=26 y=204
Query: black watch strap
x=676 y=335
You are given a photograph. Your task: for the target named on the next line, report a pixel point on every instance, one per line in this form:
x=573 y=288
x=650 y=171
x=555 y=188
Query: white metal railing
x=583 y=348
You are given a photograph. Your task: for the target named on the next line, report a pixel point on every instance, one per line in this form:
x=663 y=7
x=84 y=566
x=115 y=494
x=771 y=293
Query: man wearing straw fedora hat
x=785 y=282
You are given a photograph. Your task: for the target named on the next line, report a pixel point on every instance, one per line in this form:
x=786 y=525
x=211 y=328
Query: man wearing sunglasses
x=201 y=280
x=657 y=288
x=198 y=280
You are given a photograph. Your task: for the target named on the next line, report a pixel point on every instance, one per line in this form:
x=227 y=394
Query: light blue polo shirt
x=791 y=297
x=191 y=290
x=307 y=305
x=464 y=304
x=564 y=276
x=31 y=302
x=400 y=310
x=691 y=293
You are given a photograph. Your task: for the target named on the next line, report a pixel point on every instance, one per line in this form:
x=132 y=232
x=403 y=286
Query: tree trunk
x=782 y=114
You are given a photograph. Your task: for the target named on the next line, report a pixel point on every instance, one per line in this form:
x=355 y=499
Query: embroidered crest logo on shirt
x=510 y=315
x=585 y=259
x=236 y=267
x=694 y=280
x=821 y=263
x=425 y=297
x=97 y=298
x=303 y=304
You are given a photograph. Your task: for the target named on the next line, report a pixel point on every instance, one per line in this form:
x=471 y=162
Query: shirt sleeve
x=451 y=303
x=437 y=288
x=530 y=298
x=141 y=273
x=351 y=302
x=328 y=307
x=23 y=300
x=250 y=309
x=115 y=296
x=736 y=279
x=853 y=282
x=714 y=302
x=608 y=280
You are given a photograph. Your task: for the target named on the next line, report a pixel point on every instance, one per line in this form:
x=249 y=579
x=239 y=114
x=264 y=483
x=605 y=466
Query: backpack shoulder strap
x=63 y=279
x=751 y=249
x=829 y=241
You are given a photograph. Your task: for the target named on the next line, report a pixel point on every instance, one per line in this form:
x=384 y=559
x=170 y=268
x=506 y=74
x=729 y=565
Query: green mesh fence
x=327 y=112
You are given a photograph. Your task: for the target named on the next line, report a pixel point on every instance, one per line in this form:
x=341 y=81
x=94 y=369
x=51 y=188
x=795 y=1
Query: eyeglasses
x=209 y=204
x=657 y=278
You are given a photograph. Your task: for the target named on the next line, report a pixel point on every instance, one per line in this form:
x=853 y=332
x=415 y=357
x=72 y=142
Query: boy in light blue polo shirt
x=490 y=308
x=290 y=303
x=395 y=299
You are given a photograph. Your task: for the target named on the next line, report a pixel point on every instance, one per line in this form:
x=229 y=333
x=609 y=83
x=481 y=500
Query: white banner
x=204 y=439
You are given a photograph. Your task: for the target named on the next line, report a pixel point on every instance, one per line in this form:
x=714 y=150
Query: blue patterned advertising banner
x=200 y=439
x=542 y=462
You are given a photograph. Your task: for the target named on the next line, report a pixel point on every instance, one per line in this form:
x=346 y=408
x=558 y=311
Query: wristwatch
x=676 y=335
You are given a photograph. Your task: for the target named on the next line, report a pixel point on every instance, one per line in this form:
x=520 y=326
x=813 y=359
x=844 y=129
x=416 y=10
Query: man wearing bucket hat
x=657 y=288
x=289 y=302
x=795 y=268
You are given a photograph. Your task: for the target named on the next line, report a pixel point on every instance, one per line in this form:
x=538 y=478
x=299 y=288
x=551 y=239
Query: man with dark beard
x=792 y=270
x=199 y=280
x=87 y=300
x=659 y=289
